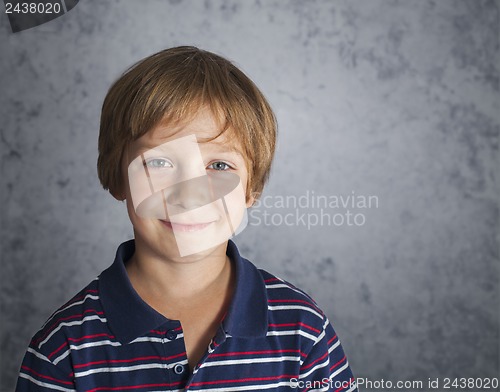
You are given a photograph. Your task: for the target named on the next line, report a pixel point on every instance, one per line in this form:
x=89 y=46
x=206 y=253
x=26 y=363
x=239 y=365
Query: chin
x=184 y=248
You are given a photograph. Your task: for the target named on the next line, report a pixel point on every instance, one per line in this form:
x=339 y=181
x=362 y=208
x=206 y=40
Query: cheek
x=134 y=219
x=236 y=208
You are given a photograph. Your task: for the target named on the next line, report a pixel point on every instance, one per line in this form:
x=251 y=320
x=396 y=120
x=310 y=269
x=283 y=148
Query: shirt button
x=171 y=334
x=178 y=369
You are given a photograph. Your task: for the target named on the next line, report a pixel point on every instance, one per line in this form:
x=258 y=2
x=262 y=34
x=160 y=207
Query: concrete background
x=393 y=99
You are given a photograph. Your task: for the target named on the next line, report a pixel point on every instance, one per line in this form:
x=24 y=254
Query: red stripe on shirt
x=338 y=363
x=315 y=361
x=288 y=376
x=45 y=377
x=263 y=352
x=294 y=325
x=148 y=358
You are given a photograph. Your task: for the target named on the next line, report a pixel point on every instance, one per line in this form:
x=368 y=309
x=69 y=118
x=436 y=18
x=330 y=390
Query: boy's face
x=186 y=195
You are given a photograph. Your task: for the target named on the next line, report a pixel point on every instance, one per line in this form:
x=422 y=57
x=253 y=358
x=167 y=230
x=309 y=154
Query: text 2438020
x=33 y=8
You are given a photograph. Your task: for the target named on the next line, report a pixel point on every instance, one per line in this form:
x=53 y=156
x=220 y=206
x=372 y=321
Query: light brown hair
x=170 y=86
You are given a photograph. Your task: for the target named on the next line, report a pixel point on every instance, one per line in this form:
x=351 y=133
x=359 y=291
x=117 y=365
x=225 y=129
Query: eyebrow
x=223 y=147
x=230 y=146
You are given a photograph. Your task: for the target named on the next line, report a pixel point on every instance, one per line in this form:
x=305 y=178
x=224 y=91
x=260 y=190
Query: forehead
x=207 y=127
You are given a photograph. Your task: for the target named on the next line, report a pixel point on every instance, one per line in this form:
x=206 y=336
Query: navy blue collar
x=129 y=317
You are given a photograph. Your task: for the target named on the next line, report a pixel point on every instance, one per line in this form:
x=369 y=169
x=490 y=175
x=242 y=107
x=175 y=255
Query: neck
x=170 y=286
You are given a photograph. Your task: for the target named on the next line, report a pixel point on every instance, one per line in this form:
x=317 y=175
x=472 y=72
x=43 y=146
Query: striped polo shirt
x=273 y=337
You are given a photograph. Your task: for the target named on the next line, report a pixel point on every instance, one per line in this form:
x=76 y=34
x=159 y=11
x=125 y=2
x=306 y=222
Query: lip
x=185 y=228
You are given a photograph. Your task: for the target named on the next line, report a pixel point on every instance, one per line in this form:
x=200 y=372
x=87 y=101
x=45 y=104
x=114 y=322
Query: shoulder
x=280 y=291
x=81 y=316
x=291 y=306
x=282 y=302
x=292 y=312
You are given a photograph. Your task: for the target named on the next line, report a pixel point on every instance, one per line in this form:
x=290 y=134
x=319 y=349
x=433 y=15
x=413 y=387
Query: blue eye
x=219 y=165
x=158 y=163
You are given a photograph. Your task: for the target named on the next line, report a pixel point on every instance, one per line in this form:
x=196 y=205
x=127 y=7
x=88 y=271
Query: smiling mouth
x=186 y=228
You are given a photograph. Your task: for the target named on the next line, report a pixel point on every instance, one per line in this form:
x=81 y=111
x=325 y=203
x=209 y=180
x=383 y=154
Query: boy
x=187 y=140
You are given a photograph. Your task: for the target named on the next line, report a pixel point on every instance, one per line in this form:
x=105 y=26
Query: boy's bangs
x=173 y=101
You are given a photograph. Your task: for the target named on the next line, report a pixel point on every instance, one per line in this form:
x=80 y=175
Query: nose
x=188 y=195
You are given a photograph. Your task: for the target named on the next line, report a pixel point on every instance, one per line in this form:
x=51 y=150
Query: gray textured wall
x=394 y=99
